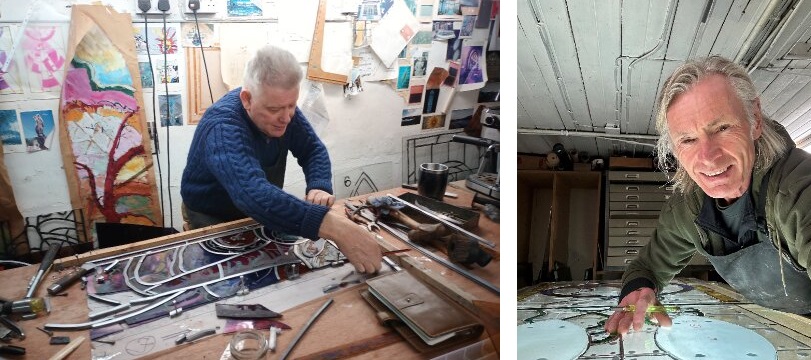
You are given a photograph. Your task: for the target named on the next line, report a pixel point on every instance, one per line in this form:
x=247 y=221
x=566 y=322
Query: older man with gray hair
x=743 y=196
x=237 y=161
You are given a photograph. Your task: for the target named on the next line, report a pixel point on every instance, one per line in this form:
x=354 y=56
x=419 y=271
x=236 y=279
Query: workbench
x=349 y=320
x=588 y=304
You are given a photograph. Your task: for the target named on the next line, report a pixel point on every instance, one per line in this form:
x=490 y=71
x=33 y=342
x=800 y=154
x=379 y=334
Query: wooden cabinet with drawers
x=634 y=201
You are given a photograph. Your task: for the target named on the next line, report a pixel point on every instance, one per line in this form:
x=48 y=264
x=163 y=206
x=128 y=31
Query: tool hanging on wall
x=314 y=69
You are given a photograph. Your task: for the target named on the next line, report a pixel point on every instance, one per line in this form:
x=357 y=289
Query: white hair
x=272 y=66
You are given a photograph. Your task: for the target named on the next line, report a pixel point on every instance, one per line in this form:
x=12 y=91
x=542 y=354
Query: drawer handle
x=632 y=188
x=631 y=197
x=632 y=223
x=628 y=261
x=631 y=252
x=632 y=242
x=632 y=176
x=632 y=232
x=632 y=206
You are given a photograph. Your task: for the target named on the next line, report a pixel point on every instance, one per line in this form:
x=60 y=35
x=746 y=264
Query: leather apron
x=754 y=271
x=274 y=174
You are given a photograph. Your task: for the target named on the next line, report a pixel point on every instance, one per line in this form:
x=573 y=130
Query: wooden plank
x=778 y=86
x=686 y=23
x=740 y=21
x=163 y=240
x=535 y=68
x=314 y=70
x=715 y=20
x=597 y=49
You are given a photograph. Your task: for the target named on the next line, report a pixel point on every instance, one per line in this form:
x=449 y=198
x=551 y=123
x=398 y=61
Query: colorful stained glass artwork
x=104 y=130
x=44 y=57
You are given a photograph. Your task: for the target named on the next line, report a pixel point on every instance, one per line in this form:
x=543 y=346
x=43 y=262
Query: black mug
x=432 y=180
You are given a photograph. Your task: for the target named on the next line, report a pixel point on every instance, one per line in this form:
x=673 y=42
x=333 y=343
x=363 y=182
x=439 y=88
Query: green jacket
x=677 y=237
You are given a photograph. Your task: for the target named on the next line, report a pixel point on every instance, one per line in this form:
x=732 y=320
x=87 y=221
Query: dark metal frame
x=43 y=231
x=461 y=159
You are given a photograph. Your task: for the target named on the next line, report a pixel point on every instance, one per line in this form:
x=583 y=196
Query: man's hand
x=357 y=244
x=320 y=197
x=621 y=321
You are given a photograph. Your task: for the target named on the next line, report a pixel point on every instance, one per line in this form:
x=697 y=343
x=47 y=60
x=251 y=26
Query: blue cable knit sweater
x=225 y=169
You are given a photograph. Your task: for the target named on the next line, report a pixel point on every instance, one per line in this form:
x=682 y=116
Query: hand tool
x=49 y=332
x=304 y=328
x=11 y=350
x=47 y=260
x=15 y=329
x=469 y=234
x=371 y=226
x=25 y=306
x=429 y=254
x=70 y=278
x=244 y=311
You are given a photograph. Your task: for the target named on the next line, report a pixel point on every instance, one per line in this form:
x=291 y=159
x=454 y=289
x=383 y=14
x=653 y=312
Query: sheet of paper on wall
x=239 y=48
x=311 y=102
x=296 y=26
x=207 y=38
x=394 y=32
x=337 y=8
x=336 y=52
x=371 y=69
x=363 y=180
x=11 y=134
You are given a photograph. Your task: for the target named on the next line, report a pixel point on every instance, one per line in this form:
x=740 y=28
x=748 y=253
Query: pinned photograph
x=38 y=127
x=471 y=72
x=460 y=118
x=10 y=135
x=443 y=30
x=415 y=94
x=434 y=121
x=403 y=77
x=147 y=79
x=173 y=105
x=168 y=72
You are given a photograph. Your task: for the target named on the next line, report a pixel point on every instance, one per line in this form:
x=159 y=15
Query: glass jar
x=248 y=345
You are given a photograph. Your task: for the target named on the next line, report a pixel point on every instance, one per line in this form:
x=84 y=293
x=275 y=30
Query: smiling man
x=237 y=160
x=743 y=196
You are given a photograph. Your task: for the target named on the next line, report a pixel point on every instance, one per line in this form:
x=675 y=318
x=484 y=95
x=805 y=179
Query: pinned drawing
x=104 y=132
x=38 y=128
x=168 y=72
x=44 y=57
x=9 y=75
x=159 y=42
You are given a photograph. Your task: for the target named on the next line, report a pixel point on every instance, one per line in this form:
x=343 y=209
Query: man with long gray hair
x=238 y=155
x=743 y=196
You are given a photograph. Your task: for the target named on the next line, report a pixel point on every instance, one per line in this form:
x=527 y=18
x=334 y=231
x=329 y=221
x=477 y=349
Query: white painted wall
x=362 y=130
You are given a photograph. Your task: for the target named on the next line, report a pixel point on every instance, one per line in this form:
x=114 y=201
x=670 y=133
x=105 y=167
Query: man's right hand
x=621 y=320
x=357 y=244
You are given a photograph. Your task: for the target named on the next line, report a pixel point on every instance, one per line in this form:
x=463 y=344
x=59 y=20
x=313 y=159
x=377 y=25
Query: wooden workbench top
x=349 y=320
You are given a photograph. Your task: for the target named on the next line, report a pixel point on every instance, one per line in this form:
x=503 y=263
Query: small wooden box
x=531 y=162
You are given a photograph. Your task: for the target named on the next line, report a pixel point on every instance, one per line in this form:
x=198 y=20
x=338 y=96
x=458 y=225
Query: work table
x=349 y=320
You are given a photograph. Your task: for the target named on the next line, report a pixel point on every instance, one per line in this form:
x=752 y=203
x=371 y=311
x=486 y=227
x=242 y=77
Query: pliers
x=354 y=215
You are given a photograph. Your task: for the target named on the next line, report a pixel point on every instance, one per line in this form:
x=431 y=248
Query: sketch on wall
x=104 y=130
x=44 y=57
x=9 y=76
x=363 y=180
x=38 y=129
